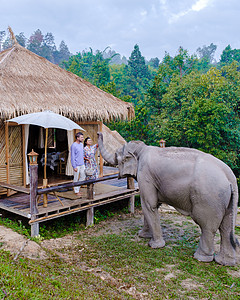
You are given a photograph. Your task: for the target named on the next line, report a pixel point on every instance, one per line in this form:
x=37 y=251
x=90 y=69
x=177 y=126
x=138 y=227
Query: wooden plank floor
x=109 y=191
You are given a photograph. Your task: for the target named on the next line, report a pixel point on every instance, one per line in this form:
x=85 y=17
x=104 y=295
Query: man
x=77 y=160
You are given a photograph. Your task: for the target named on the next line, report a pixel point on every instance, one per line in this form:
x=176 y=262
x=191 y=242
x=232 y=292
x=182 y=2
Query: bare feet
x=78 y=194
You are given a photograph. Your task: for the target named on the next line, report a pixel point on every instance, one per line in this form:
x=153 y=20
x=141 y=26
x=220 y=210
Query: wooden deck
x=104 y=193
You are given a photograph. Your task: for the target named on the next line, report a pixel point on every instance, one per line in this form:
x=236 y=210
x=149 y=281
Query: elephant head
x=126 y=157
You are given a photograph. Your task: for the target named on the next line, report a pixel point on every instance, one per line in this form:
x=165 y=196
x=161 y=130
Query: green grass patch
x=51 y=279
x=138 y=265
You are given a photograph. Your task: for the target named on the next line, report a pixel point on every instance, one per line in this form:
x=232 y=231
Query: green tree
x=48 y=47
x=137 y=65
x=35 y=41
x=90 y=66
x=178 y=66
x=207 y=52
x=154 y=62
x=2 y=35
x=21 y=39
x=62 y=54
x=201 y=111
x=229 y=55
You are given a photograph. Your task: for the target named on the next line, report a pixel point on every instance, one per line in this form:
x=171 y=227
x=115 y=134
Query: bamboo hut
x=30 y=83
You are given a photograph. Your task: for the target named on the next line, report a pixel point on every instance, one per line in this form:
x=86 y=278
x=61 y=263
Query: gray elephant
x=197 y=184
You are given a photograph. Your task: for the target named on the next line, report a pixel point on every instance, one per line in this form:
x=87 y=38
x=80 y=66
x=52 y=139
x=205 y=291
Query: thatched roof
x=30 y=83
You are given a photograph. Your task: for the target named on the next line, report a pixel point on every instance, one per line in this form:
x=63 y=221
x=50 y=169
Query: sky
x=157 y=26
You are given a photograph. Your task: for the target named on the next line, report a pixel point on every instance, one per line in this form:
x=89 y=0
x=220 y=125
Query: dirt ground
x=173 y=225
x=19 y=245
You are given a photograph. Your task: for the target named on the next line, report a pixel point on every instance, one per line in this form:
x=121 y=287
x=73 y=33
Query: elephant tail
x=233 y=206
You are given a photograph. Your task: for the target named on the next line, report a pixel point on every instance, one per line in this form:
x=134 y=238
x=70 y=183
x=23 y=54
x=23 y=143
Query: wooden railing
x=35 y=192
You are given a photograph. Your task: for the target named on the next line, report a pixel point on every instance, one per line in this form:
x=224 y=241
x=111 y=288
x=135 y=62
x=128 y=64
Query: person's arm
x=95 y=148
x=85 y=155
x=73 y=158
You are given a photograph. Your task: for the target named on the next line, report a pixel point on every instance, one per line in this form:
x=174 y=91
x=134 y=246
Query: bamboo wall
x=3 y=167
x=15 y=147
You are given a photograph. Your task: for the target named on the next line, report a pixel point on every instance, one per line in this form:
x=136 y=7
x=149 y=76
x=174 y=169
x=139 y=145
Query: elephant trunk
x=110 y=158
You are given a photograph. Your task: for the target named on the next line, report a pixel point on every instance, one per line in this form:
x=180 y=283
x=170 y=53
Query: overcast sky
x=155 y=25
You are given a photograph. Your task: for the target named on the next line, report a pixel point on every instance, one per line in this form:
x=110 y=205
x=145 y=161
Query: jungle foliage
x=188 y=100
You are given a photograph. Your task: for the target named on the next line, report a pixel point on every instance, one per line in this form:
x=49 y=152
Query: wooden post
x=90 y=211
x=131 y=203
x=101 y=158
x=33 y=198
x=45 y=181
x=24 y=156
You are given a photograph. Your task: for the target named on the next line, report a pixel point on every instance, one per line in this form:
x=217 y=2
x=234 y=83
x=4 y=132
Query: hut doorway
x=57 y=152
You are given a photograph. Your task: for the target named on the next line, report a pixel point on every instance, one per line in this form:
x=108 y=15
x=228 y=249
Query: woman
x=89 y=158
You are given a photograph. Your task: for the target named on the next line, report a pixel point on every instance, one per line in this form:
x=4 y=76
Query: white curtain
x=26 y=132
x=41 y=139
x=70 y=137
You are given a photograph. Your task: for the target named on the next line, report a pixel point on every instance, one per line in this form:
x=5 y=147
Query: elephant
x=195 y=183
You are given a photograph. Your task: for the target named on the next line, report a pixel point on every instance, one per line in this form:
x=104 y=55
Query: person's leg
x=75 y=179
x=82 y=176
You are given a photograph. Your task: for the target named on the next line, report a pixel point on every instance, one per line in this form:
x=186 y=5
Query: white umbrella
x=46 y=119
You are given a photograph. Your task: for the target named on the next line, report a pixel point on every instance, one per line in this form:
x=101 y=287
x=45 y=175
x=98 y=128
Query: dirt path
x=19 y=245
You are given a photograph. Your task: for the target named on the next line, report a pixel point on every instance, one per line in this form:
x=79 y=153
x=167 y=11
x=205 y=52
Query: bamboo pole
x=45 y=158
x=24 y=156
x=101 y=158
x=45 y=181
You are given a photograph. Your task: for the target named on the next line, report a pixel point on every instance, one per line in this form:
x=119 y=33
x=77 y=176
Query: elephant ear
x=129 y=164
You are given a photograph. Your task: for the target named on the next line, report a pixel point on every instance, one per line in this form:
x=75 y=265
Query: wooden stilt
x=33 y=198
x=90 y=211
x=34 y=229
x=90 y=217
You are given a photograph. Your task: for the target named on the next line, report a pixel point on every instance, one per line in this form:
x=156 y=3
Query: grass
x=51 y=279
x=115 y=266
x=60 y=227
x=136 y=264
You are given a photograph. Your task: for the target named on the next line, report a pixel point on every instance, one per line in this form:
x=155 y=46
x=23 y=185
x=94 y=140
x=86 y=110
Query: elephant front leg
x=152 y=220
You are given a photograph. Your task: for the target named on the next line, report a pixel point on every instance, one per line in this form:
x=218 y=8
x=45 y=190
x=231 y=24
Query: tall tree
x=154 y=62
x=137 y=65
x=207 y=52
x=35 y=42
x=229 y=55
x=21 y=39
x=2 y=35
x=90 y=66
x=62 y=54
x=201 y=111
x=48 y=47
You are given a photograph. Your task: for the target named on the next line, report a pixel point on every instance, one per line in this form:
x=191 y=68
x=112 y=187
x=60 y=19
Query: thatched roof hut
x=30 y=83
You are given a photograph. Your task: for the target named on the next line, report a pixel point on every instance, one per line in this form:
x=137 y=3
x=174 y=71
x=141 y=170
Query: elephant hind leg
x=229 y=244
x=209 y=227
x=205 y=249
x=145 y=232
